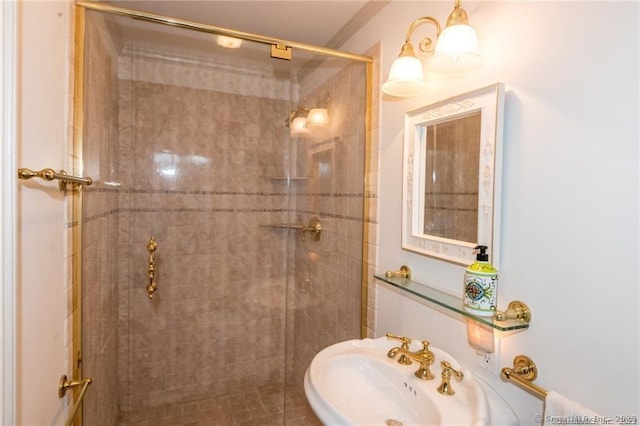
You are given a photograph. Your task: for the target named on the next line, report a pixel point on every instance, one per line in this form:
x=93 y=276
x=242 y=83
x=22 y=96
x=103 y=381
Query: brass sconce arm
x=426 y=45
x=298 y=112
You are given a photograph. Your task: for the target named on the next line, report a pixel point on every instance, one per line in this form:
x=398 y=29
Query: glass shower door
x=192 y=145
x=202 y=135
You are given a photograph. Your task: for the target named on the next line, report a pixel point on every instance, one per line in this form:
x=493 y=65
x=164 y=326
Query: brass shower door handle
x=152 y=246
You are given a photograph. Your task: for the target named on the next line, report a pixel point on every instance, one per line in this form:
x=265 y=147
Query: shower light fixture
x=317 y=117
x=228 y=42
x=456 y=50
x=303 y=120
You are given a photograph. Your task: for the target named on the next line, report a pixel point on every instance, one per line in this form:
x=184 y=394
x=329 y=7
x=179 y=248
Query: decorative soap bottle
x=481 y=285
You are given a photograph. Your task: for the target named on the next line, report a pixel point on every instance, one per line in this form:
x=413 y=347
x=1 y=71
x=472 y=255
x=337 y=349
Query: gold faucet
x=445 y=387
x=424 y=356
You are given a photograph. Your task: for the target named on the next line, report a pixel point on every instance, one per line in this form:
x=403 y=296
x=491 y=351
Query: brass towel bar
x=64 y=385
x=314 y=228
x=523 y=373
x=50 y=174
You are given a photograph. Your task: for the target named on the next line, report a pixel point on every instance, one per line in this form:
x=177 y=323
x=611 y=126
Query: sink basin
x=355 y=383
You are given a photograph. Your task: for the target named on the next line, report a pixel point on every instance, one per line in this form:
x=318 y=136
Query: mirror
x=452 y=173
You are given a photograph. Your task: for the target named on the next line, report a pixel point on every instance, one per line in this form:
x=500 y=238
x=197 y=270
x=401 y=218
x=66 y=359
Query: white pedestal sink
x=355 y=383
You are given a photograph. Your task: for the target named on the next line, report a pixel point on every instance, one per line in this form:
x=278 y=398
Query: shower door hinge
x=281 y=51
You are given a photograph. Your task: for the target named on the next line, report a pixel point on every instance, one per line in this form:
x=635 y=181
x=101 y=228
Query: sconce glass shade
x=318 y=117
x=406 y=77
x=298 y=127
x=456 y=50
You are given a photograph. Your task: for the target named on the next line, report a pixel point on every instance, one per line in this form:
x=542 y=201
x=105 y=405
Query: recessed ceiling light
x=229 y=42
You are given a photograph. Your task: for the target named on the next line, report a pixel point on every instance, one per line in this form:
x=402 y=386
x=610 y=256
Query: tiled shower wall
x=196 y=162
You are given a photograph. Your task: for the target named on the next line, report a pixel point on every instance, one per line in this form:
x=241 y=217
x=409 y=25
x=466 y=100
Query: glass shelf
x=287 y=179
x=450 y=302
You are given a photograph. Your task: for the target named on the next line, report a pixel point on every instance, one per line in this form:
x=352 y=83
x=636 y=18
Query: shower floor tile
x=262 y=406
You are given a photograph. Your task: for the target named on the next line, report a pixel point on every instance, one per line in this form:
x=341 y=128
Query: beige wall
x=43 y=326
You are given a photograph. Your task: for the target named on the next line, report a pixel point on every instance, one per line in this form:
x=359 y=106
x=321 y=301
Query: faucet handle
x=405 y=340
x=445 y=387
x=403 y=350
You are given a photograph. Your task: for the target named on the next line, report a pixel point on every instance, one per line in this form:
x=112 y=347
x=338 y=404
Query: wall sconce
x=303 y=120
x=456 y=50
x=318 y=117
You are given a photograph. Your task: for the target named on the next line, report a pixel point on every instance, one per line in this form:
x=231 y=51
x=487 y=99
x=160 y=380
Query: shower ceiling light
x=228 y=42
x=456 y=50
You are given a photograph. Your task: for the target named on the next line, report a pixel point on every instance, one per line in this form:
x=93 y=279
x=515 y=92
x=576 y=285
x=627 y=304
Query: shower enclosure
x=194 y=145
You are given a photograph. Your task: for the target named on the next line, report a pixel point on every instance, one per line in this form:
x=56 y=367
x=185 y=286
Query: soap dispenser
x=481 y=285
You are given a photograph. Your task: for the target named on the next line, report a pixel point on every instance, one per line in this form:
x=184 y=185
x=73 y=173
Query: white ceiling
x=307 y=21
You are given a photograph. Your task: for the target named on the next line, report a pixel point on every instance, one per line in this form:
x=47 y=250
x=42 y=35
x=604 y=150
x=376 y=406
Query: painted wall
x=570 y=193
x=43 y=325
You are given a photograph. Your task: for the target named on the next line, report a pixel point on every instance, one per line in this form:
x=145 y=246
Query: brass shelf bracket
x=314 y=228
x=516 y=310
x=66 y=181
x=404 y=272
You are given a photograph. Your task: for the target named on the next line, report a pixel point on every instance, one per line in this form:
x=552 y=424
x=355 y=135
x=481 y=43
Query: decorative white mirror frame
x=490 y=102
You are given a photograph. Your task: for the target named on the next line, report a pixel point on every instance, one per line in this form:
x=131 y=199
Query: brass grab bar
x=50 y=174
x=523 y=373
x=62 y=391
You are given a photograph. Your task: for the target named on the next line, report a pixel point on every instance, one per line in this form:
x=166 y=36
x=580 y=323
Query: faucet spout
x=424 y=356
